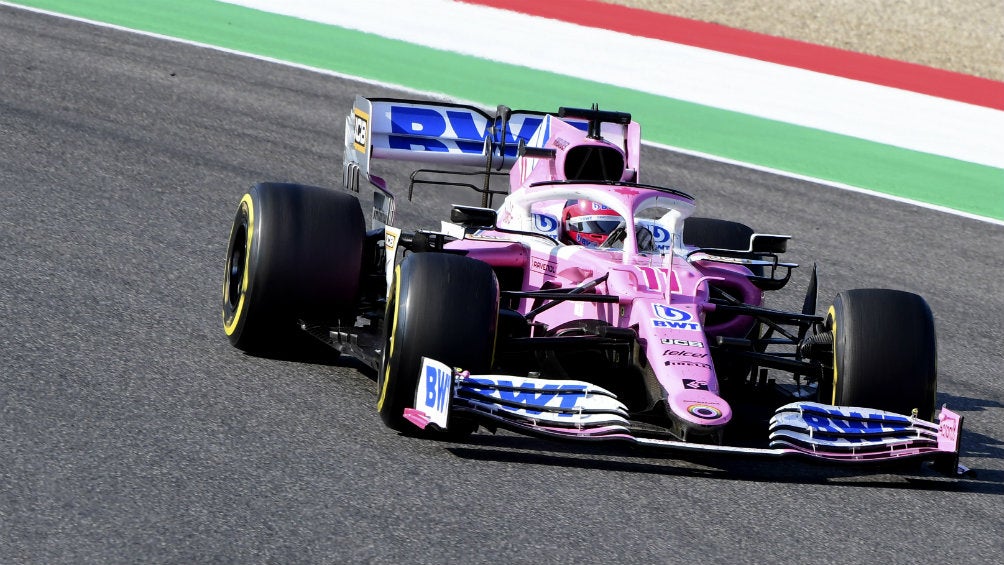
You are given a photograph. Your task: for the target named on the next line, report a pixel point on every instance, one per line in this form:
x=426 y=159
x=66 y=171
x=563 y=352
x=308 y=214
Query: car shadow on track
x=511 y=448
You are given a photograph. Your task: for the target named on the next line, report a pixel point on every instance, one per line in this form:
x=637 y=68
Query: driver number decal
x=654 y=282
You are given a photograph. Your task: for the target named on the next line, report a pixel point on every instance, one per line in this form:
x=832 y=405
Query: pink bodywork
x=663 y=296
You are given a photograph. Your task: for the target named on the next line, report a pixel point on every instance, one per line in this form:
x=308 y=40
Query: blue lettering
x=544 y=223
x=443 y=390
x=408 y=122
x=431 y=378
x=819 y=423
x=437 y=386
x=660 y=234
x=416 y=121
x=526 y=132
x=465 y=128
x=543 y=396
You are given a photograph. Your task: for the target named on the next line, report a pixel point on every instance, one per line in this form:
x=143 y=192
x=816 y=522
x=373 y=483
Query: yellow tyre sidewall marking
x=833 y=328
x=393 y=334
x=231 y=326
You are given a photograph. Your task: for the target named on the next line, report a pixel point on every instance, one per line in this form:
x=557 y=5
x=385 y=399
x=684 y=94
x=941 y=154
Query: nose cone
x=699 y=410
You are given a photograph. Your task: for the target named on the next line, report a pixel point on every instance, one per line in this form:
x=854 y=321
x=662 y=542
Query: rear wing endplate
x=438 y=132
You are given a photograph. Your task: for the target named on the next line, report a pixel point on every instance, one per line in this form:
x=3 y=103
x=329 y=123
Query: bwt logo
x=673 y=318
x=469 y=128
x=565 y=396
x=670 y=313
x=854 y=422
x=437 y=388
x=661 y=237
x=544 y=223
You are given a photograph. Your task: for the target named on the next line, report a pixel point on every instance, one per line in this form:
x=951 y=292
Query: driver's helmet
x=588 y=223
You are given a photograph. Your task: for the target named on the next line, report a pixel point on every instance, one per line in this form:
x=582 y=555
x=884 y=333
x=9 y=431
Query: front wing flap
x=576 y=410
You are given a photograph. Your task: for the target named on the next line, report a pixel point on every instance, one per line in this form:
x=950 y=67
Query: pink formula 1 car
x=586 y=305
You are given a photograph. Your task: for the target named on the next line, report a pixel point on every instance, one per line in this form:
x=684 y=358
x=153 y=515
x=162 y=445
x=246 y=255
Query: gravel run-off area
x=965 y=36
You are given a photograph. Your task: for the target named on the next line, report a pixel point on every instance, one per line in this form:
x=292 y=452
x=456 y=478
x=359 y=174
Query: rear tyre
x=884 y=352
x=295 y=253
x=440 y=306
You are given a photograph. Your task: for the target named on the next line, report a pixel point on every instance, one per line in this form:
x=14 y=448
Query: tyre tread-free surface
x=885 y=351
x=295 y=253
x=444 y=307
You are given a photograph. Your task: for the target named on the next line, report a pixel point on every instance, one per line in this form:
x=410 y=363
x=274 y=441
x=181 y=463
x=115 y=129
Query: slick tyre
x=440 y=306
x=884 y=352
x=295 y=253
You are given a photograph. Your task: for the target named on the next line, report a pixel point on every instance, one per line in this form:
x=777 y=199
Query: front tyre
x=884 y=352
x=295 y=252
x=440 y=306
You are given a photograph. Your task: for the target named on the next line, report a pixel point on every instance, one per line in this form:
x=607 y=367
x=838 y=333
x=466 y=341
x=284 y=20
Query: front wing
x=576 y=410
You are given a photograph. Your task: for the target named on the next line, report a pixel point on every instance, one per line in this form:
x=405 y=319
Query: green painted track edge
x=941 y=181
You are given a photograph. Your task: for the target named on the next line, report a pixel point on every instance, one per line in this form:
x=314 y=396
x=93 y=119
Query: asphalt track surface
x=130 y=431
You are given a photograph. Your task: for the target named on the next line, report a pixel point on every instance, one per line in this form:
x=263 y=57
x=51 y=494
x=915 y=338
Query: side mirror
x=764 y=243
x=473 y=217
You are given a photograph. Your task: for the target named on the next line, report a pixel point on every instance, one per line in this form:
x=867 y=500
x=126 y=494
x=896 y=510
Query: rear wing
x=431 y=132
x=443 y=133
x=438 y=132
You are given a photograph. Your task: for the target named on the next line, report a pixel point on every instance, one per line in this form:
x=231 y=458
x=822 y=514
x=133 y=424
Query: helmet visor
x=593 y=224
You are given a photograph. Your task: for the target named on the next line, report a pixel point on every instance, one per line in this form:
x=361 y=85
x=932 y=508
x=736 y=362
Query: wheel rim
x=235 y=267
x=235 y=280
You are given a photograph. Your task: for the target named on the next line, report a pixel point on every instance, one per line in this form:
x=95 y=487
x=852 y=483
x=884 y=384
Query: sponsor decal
x=563 y=396
x=437 y=387
x=362 y=130
x=673 y=318
x=653 y=282
x=846 y=422
x=683 y=342
x=682 y=353
x=543 y=266
x=560 y=142
x=661 y=237
x=704 y=411
x=949 y=429
x=672 y=314
x=691 y=384
x=390 y=241
x=689 y=364
x=546 y=224
x=414 y=126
